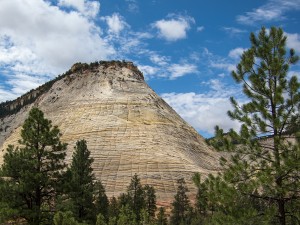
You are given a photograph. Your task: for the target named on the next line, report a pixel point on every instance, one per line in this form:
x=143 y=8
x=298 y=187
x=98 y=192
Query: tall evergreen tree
x=101 y=220
x=181 y=204
x=127 y=216
x=81 y=183
x=102 y=203
x=161 y=217
x=136 y=196
x=34 y=169
x=150 y=200
x=265 y=169
x=202 y=195
x=113 y=210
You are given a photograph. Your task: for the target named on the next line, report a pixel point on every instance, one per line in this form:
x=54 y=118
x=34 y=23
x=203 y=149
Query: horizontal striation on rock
x=128 y=128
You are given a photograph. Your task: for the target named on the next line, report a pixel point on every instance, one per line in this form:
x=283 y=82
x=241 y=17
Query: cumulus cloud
x=201 y=28
x=224 y=66
x=162 y=66
x=217 y=63
x=236 y=53
x=116 y=23
x=293 y=41
x=204 y=111
x=41 y=39
x=179 y=70
x=174 y=29
x=87 y=8
x=168 y=70
x=294 y=73
x=273 y=10
x=159 y=60
x=6 y=95
x=149 y=71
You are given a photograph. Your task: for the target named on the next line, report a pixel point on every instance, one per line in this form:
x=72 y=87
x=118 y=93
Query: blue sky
x=186 y=49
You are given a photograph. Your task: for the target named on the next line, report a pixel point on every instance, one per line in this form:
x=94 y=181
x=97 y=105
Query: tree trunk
x=281 y=209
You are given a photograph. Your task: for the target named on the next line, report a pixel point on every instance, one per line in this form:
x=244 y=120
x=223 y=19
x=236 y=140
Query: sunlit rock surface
x=128 y=128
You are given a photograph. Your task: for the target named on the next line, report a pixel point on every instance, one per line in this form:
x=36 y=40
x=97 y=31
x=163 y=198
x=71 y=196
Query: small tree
x=181 y=204
x=65 y=218
x=265 y=169
x=150 y=201
x=136 y=196
x=127 y=216
x=202 y=195
x=34 y=169
x=102 y=203
x=81 y=186
x=161 y=217
x=113 y=209
x=101 y=220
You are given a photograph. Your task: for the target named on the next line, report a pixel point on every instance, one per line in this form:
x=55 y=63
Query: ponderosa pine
x=33 y=170
x=265 y=158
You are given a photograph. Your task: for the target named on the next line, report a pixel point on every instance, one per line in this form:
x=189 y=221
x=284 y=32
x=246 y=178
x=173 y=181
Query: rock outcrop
x=128 y=128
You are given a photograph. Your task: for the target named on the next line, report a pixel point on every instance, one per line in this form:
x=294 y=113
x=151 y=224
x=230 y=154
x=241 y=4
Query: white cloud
x=116 y=23
x=159 y=60
x=166 y=69
x=224 y=66
x=6 y=95
x=10 y=53
x=293 y=41
x=40 y=39
x=174 y=29
x=236 y=53
x=86 y=7
x=201 y=28
x=19 y=81
x=149 y=71
x=294 y=73
x=214 y=64
x=132 y=6
x=274 y=10
x=233 y=30
x=204 y=111
x=179 y=70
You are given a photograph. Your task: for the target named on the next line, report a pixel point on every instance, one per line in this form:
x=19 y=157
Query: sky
x=186 y=49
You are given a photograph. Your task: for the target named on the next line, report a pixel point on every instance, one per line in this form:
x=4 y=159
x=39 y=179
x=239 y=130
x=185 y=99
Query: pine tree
x=101 y=220
x=136 y=196
x=81 y=183
x=127 y=216
x=65 y=218
x=161 y=217
x=113 y=209
x=150 y=201
x=202 y=195
x=102 y=203
x=181 y=204
x=34 y=169
x=265 y=169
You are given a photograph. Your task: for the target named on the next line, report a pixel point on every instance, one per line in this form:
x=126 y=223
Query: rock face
x=128 y=128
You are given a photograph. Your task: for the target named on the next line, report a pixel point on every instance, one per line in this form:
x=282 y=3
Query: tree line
x=37 y=187
x=259 y=182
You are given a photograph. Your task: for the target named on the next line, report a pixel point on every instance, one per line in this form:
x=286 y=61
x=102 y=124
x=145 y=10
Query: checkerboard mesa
x=129 y=129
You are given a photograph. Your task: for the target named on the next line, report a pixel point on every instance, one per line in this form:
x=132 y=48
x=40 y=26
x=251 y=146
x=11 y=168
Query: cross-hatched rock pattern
x=128 y=128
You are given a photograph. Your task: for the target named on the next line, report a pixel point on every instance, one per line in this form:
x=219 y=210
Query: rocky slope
x=129 y=129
